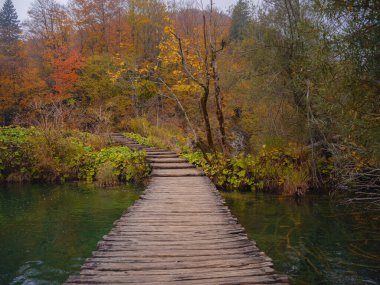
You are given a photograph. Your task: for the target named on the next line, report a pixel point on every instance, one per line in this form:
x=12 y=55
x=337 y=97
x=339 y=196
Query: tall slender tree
x=10 y=30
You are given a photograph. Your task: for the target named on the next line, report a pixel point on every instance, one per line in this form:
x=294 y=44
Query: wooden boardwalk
x=179 y=231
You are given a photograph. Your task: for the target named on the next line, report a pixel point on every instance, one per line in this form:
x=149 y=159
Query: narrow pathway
x=179 y=231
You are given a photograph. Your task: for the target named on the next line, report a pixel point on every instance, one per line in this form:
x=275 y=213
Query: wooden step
x=184 y=165
x=162 y=155
x=176 y=172
x=166 y=160
x=159 y=153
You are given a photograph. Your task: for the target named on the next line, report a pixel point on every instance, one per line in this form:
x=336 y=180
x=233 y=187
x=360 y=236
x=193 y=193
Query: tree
x=10 y=61
x=95 y=19
x=10 y=30
x=65 y=72
x=196 y=52
x=48 y=25
x=356 y=24
x=193 y=57
x=240 y=20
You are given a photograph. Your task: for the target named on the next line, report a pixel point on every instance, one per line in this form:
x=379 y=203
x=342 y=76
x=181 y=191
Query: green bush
x=16 y=158
x=277 y=170
x=163 y=137
x=51 y=155
x=127 y=165
x=148 y=141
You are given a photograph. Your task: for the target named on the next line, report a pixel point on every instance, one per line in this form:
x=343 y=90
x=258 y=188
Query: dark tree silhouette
x=240 y=20
x=10 y=30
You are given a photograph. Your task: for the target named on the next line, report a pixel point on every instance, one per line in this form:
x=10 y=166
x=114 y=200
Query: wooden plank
x=162 y=152
x=245 y=278
x=173 y=266
x=231 y=258
x=184 y=165
x=176 y=172
x=160 y=156
x=167 y=160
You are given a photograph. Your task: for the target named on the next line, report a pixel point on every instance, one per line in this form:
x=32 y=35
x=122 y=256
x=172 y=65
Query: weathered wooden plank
x=179 y=234
x=254 y=252
x=246 y=278
x=127 y=246
x=176 y=172
x=158 y=165
x=175 y=219
x=174 y=267
x=232 y=258
x=161 y=156
x=184 y=274
x=160 y=153
x=166 y=160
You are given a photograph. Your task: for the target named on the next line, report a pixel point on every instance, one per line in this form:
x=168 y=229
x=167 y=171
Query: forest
x=280 y=97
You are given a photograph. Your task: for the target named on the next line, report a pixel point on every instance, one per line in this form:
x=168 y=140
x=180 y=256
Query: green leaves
x=272 y=170
x=149 y=141
x=127 y=165
x=147 y=89
x=36 y=155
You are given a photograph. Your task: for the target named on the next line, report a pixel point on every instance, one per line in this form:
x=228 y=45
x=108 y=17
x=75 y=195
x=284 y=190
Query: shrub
x=162 y=137
x=52 y=155
x=127 y=165
x=279 y=170
x=106 y=174
x=16 y=159
x=295 y=182
x=148 y=141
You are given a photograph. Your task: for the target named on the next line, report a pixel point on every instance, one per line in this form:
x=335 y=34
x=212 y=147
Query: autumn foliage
x=279 y=73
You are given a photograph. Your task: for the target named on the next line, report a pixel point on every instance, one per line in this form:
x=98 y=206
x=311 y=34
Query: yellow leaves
x=177 y=73
x=182 y=88
x=173 y=52
x=143 y=71
x=168 y=30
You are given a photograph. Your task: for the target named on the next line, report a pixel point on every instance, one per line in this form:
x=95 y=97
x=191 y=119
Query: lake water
x=313 y=240
x=47 y=232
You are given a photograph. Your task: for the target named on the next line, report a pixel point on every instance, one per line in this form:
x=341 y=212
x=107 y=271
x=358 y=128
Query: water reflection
x=313 y=240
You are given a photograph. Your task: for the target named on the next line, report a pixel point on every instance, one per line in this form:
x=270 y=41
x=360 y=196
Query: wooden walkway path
x=179 y=231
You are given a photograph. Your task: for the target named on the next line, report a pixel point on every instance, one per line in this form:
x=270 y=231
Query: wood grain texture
x=178 y=232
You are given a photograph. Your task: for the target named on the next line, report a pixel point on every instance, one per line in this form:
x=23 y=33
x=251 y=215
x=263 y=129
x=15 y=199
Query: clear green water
x=313 y=240
x=46 y=232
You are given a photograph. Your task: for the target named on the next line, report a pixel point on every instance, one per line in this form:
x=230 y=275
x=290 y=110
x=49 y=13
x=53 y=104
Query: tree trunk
x=218 y=101
x=206 y=118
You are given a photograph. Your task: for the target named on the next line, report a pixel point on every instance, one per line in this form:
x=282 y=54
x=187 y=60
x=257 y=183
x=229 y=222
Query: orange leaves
x=65 y=73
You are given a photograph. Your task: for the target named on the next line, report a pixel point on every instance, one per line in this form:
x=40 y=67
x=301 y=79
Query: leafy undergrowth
x=145 y=133
x=34 y=155
x=148 y=141
x=275 y=170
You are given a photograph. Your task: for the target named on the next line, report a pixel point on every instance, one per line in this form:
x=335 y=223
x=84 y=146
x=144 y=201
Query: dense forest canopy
x=287 y=74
